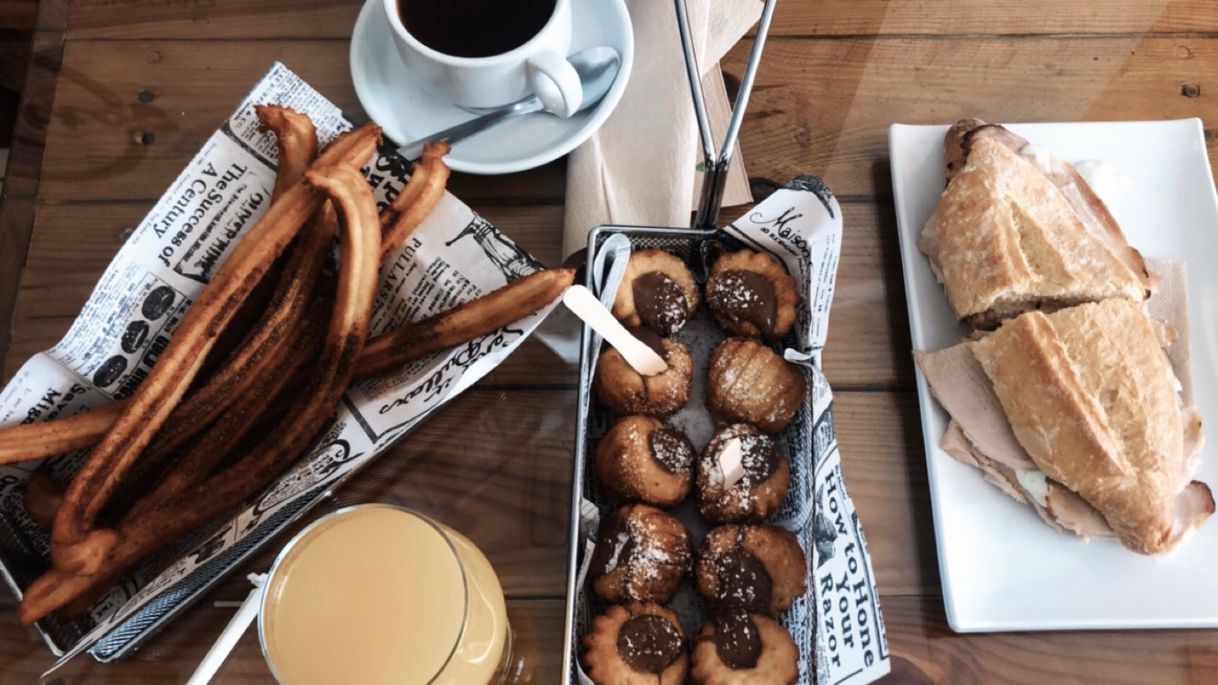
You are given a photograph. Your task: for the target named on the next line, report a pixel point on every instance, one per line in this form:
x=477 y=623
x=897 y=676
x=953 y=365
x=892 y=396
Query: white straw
x=232 y=633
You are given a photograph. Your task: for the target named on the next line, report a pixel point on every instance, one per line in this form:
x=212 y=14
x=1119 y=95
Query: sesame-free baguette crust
x=1006 y=240
x=1090 y=396
x=958 y=142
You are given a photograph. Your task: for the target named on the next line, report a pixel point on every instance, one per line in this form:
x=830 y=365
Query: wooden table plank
x=880 y=438
x=25 y=157
x=495 y=464
x=990 y=17
x=95 y=149
x=821 y=105
x=825 y=105
x=923 y=647
x=262 y=19
x=926 y=651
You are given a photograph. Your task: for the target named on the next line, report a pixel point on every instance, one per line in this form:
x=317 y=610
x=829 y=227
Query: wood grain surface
x=125 y=91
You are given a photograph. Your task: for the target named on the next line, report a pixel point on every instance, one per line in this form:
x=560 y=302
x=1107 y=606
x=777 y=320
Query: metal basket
x=689 y=243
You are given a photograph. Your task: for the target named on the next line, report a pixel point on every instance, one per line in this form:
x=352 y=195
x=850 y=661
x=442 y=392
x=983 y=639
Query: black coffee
x=474 y=28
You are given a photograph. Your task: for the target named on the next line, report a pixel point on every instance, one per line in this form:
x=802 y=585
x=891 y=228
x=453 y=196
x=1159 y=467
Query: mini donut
x=751 y=294
x=636 y=644
x=642 y=459
x=641 y=554
x=622 y=390
x=739 y=648
x=761 y=568
x=748 y=382
x=658 y=291
x=759 y=493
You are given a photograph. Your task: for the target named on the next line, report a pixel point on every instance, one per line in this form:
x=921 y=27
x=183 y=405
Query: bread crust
x=958 y=143
x=1090 y=396
x=1005 y=240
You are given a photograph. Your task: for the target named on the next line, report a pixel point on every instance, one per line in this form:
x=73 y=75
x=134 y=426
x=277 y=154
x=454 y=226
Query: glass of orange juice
x=376 y=593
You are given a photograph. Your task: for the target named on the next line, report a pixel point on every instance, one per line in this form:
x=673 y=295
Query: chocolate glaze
x=671 y=450
x=737 y=639
x=649 y=643
x=660 y=302
x=745 y=296
x=743 y=582
x=759 y=458
x=613 y=545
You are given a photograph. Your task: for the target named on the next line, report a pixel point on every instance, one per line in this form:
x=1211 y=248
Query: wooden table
x=121 y=93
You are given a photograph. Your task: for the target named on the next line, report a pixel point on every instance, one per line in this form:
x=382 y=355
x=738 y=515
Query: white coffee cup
x=538 y=67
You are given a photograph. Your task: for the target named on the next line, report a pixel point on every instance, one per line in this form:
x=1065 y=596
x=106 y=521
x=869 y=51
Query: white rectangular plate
x=1002 y=568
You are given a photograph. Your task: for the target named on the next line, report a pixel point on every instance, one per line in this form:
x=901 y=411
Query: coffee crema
x=474 y=28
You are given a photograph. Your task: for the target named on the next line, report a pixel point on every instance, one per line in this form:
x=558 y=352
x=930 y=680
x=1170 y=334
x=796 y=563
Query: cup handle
x=554 y=82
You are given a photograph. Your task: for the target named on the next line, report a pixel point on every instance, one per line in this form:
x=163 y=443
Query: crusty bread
x=1091 y=397
x=1005 y=240
x=958 y=142
x=1096 y=218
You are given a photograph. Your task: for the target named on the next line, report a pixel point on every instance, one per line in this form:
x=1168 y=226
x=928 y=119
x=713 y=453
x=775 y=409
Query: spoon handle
x=473 y=127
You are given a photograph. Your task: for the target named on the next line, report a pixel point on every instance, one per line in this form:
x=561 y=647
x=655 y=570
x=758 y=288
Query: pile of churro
x=253 y=373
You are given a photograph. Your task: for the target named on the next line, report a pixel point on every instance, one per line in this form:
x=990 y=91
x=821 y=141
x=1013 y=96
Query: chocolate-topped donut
x=759 y=567
x=641 y=554
x=761 y=488
x=736 y=646
x=636 y=644
x=642 y=459
x=745 y=297
x=622 y=390
x=751 y=294
x=658 y=292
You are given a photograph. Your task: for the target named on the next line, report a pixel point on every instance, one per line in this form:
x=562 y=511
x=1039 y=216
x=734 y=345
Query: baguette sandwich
x=1017 y=229
x=1077 y=413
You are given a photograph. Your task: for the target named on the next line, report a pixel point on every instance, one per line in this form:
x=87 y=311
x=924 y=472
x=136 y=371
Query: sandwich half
x=1077 y=412
x=1016 y=232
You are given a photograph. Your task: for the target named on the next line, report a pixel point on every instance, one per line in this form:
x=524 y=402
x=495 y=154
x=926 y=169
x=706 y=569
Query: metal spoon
x=597 y=69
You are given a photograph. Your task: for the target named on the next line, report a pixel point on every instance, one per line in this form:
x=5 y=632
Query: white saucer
x=392 y=99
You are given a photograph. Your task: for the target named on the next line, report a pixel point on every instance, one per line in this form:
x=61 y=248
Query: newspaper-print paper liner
x=836 y=624
x=453 y=257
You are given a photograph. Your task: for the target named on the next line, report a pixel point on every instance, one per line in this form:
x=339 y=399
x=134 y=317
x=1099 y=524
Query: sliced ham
x=959 y=384
x=978 y=435
x=1074 y=514
x=1003 y=477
